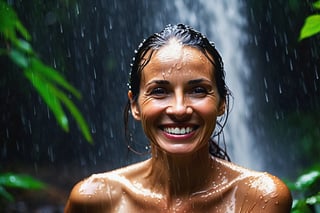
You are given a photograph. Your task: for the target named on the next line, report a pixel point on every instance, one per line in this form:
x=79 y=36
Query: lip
x=179 y=136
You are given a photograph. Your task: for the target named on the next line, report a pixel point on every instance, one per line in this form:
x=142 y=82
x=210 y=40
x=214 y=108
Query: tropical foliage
x=306 y=190
x=48 y=82
x=306 y=187
x=312 y=24
x=19 y=181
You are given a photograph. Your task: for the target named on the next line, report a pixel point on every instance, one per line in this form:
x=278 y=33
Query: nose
x=178 y=108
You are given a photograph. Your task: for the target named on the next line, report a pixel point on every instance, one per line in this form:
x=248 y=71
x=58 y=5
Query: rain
x=274 y=124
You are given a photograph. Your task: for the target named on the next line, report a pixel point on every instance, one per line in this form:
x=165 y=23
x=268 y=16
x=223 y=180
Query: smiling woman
x=177 y=91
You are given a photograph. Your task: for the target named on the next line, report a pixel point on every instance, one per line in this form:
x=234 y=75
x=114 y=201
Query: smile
x=179 y=130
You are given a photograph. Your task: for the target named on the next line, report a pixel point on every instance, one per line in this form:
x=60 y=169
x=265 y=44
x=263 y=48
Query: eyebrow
x=162 y=82
x=196 y=81
x=165 y=82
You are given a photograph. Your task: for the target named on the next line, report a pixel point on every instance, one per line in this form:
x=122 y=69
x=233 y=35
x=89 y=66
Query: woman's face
x=178 y=102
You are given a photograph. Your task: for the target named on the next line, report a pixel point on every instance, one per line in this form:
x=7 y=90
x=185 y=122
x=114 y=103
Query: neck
x=180 y=175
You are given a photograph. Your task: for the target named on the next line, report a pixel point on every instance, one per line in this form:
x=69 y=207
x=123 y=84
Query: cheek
x=206 y=108
x=150 y=110
x=208 y=111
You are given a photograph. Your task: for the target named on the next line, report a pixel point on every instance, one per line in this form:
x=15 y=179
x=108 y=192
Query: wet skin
x=229 y=189
x=178 y=106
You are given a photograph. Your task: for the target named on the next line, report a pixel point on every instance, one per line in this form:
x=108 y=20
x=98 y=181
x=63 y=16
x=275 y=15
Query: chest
x=206 y=202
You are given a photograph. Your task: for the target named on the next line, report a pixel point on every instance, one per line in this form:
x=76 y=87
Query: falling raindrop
x=291 y=65
x=267 y=97
x=61 y=29
x=280 y=89
x=265 y=83
x=82 y=32
x=77 y=9
x=89 y=45
x=267 y=57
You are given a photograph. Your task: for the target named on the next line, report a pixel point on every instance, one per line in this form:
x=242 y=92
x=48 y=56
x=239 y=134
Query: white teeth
x=178 y=131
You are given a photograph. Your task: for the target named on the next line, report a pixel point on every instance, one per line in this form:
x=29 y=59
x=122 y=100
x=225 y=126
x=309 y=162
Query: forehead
x=177 y=58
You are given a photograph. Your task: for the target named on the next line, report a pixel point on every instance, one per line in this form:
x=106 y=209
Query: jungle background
x=91 y=44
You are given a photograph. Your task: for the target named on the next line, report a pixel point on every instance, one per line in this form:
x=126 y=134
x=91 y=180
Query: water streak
x=223 y=22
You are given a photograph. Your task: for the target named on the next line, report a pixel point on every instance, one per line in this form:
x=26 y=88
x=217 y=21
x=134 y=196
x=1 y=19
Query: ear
x=222 y=107
x=134 y=107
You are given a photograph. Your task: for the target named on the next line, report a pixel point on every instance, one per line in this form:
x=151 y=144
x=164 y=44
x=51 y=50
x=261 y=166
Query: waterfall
x=223 y=23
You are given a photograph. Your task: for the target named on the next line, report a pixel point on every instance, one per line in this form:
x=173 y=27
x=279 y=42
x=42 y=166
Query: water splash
x=223 y=23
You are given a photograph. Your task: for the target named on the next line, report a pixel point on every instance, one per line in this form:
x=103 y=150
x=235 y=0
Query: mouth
x=177 y=130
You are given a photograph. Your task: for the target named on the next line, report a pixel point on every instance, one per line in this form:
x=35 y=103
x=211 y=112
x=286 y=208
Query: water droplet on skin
x=178 y=66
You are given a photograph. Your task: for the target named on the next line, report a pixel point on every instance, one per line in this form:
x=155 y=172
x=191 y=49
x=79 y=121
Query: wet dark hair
x=186 y=36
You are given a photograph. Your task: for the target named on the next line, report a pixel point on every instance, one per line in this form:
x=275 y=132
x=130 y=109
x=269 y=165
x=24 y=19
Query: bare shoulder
x=93 y=194
x=259 y=191
x=274 y=195
x=99 y=192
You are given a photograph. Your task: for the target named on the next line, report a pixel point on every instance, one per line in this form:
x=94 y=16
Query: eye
x=158 y=91
x=199 y=90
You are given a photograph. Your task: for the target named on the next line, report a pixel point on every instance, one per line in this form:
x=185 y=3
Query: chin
x=178 y=149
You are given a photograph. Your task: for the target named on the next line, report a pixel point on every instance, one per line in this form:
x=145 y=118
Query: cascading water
x=223 y=23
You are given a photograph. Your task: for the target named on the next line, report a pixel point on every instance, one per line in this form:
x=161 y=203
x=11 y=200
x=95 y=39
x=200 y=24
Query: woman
x=177 y=91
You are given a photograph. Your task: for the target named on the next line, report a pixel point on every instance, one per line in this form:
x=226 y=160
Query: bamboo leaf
x=310 y=27
x=9 y=21
x=307 y=179
x=7 y=17
x=313 y=200
x=19 y=58
x=316 y=5
x=22 y=30
x=45 y=90
x=76 y=114
x=23 y=45
x=5 y=194
x=53 y=75
x=20 y=181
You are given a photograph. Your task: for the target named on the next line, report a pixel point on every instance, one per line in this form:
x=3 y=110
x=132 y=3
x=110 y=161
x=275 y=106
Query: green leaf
x=53 y=75
x=23 y=45
x=310 y=27
x=307 y=179
x=20 y=181
x=316 y=5
x=44 y=88
x=300 y=206
x=5 y=194
x=313 y=199
x=76 y=114
x=19 y=58
x=9 y=21
x=22 y=30
x=8 y=17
